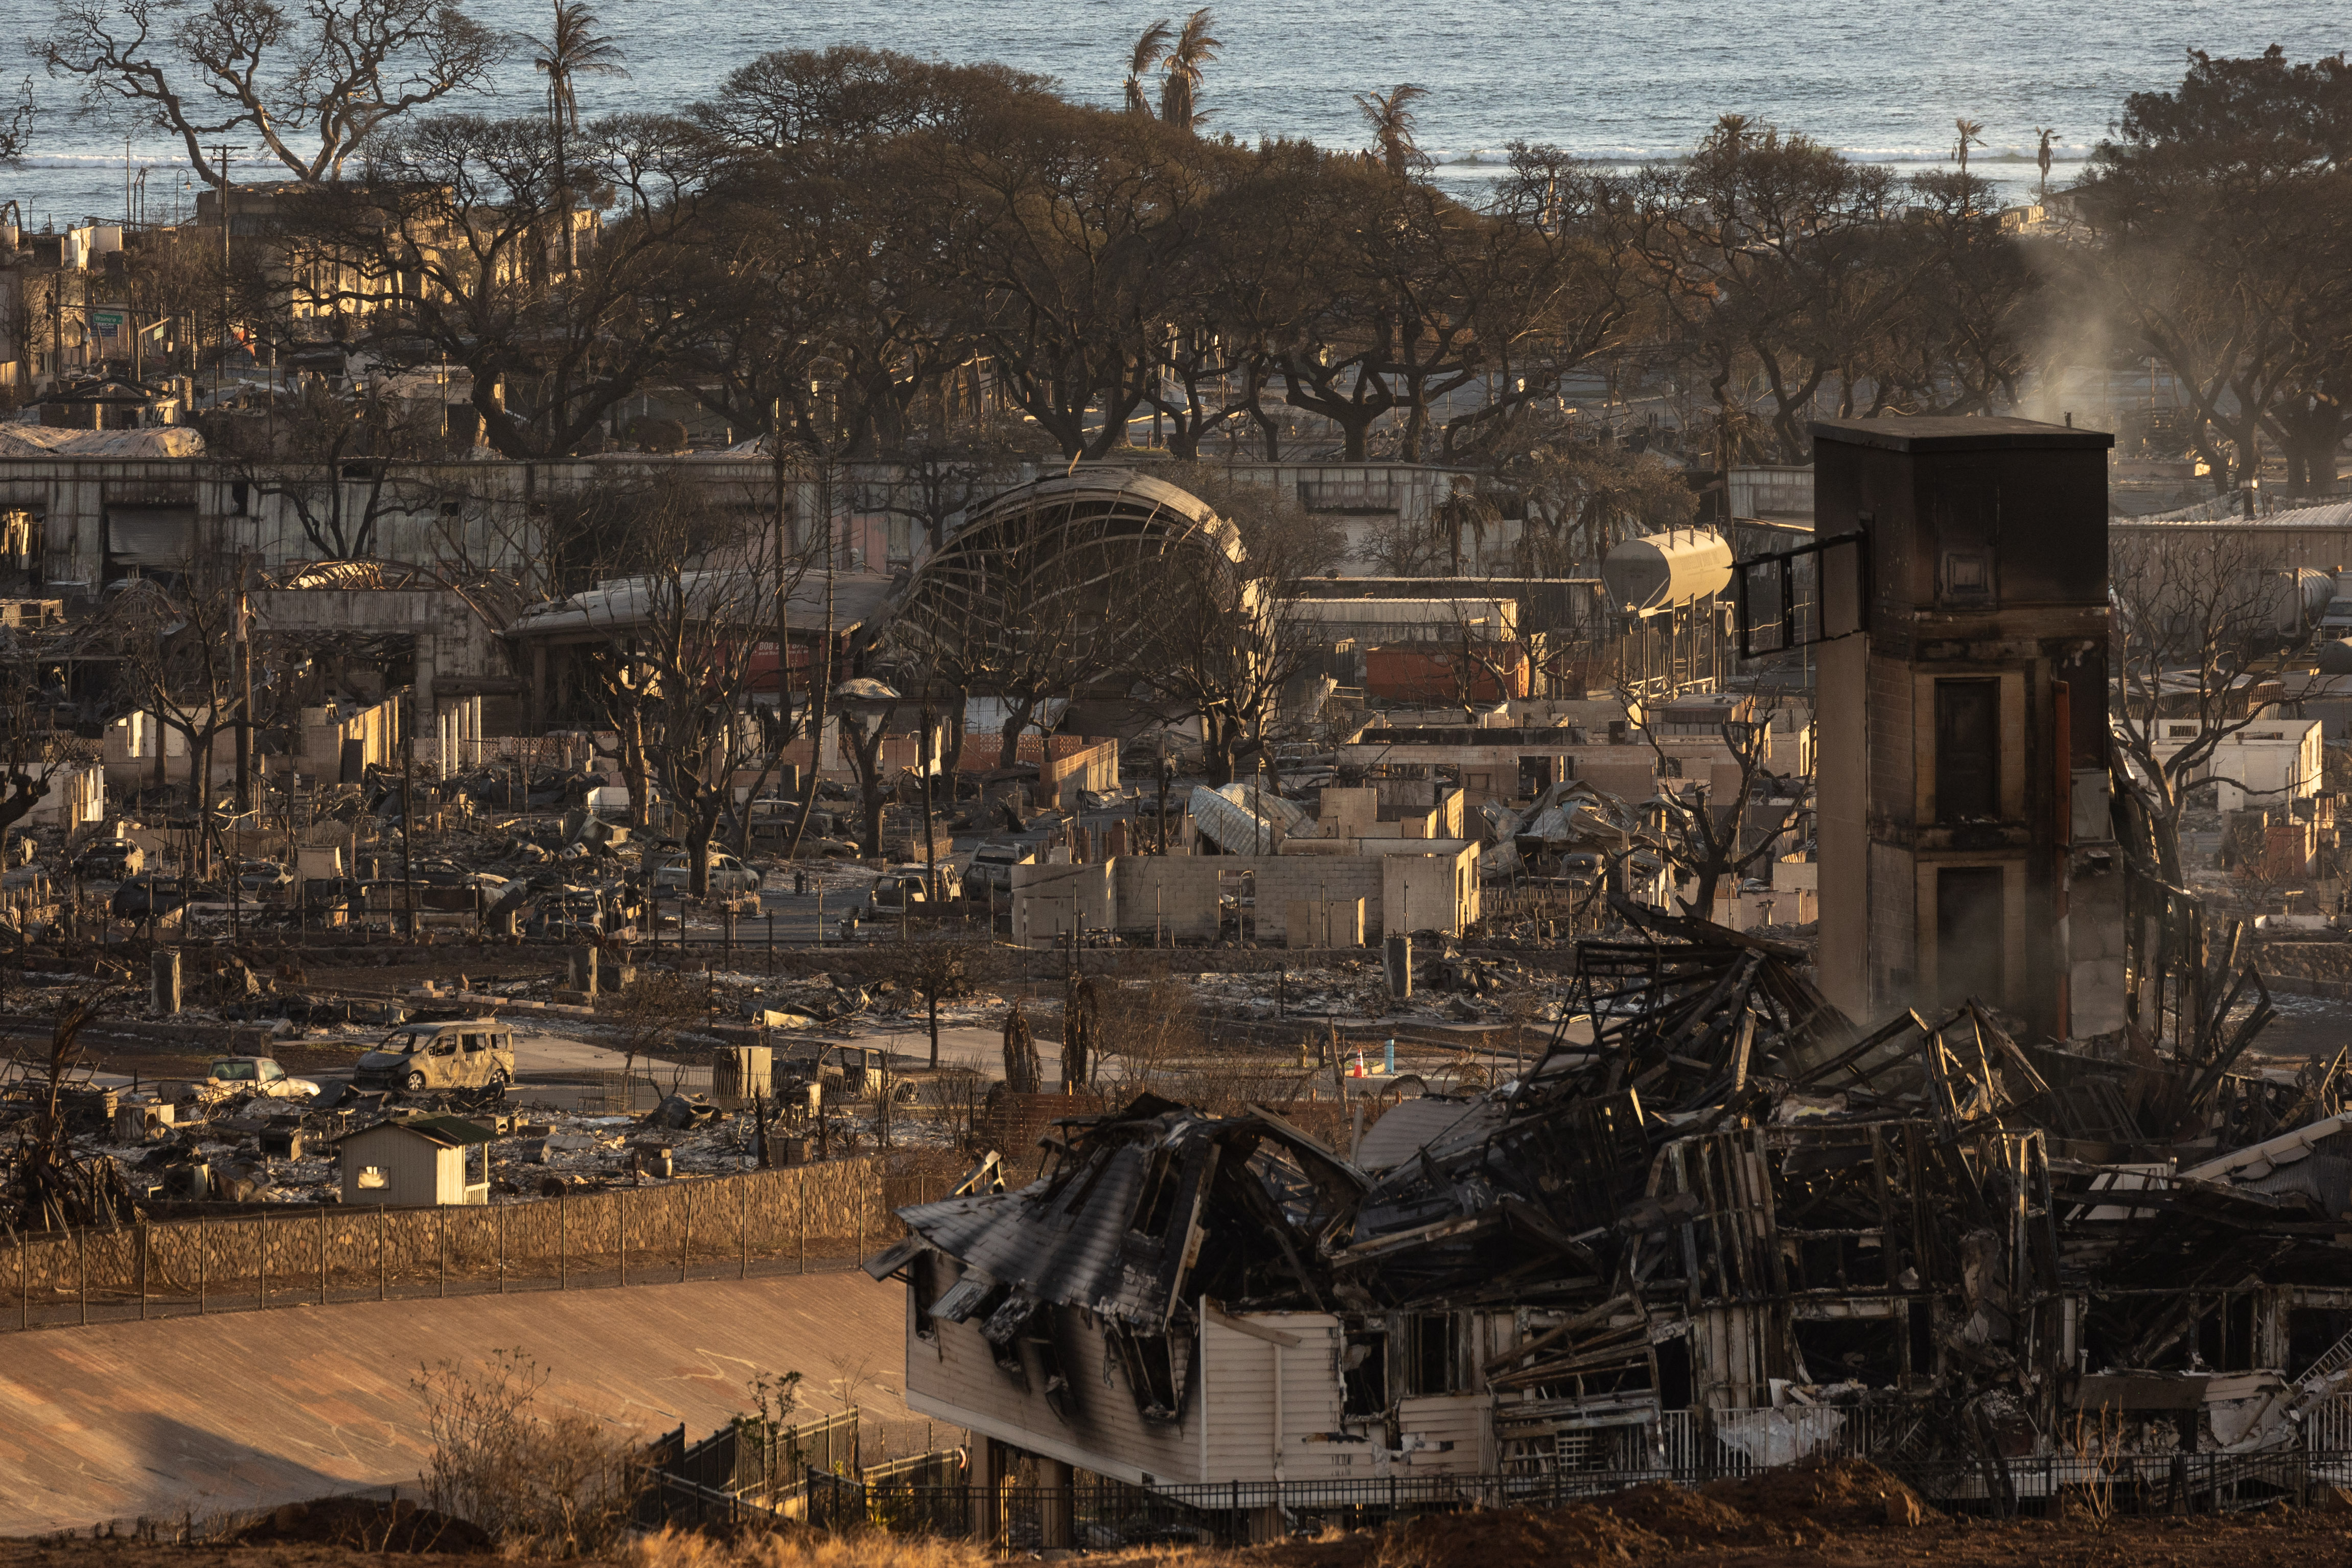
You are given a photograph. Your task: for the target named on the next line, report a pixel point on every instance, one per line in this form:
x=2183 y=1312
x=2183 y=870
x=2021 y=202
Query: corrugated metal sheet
x=151 y=535
x=1413 y=1125
x=45 y=441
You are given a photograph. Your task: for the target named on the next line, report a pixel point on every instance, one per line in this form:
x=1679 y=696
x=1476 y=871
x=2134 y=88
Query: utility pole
x=783 y=589
x=220 y=364
x=244 y=707
x=408 y=821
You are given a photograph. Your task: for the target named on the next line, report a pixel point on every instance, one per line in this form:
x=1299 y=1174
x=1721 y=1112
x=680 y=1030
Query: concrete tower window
x=1968 y=933
x=1967 y=749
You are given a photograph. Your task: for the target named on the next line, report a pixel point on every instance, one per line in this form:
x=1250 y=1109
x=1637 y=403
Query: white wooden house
x=421 y=1160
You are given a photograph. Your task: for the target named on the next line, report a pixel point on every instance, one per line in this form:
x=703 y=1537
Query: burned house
x=1717 y=1226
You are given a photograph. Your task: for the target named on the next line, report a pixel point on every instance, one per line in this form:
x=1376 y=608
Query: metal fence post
x=500 y=1223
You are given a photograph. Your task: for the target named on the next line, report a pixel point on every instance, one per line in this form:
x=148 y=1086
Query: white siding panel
x=958 y=1380
x=1463 y=1419
x=1240 y=1402
x=1225 y=1435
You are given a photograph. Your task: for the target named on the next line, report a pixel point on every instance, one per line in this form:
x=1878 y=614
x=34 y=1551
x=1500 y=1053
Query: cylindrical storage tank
x=2293 y=597
x=1661 y=571
x=2315 y=590
x=2336 y=656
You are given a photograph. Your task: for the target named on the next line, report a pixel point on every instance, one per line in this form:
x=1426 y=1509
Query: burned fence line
x=757 y=1222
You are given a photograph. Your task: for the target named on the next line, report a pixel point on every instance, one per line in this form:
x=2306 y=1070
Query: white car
x=728 y=875
x=262 y=1075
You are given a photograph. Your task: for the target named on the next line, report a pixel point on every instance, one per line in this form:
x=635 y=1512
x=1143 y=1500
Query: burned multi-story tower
x=1965 y=840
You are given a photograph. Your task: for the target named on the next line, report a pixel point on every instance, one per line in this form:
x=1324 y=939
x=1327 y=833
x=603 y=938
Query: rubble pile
x=1924 y=1240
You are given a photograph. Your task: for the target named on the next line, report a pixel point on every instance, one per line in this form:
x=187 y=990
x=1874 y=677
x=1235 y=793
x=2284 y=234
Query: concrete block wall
x=1437 y=879
x=1050 y=901
x=1429 y=892
x=1283 y=881
x=1093 y=767
x=1348 y=813
x=1339 y=922
x=1179 y=891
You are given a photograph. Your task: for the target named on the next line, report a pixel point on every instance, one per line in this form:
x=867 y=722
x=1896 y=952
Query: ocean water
x=1623 y=81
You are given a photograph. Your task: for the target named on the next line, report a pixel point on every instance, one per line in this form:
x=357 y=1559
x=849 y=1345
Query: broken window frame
x=1798 y=622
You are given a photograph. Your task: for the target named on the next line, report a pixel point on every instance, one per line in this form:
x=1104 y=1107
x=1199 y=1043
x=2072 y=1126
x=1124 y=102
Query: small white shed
x=420 y=1160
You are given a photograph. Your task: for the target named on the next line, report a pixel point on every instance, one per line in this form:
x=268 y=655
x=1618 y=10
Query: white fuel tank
x=1662 y=570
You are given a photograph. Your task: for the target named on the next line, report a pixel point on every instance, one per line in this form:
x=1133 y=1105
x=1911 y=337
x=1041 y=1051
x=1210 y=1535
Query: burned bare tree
x=342 y=465
x=57 y=1188
x=675 y=652
x=2208 y=642
x=1709 y=840
x=313 y=89
x=1223 y=651
x=184 y=649
x=16 y=127
x=1023 y=1072
x=937 y=972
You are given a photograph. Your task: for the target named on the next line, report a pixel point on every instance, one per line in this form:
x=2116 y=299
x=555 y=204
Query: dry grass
x=684 y=1549
x=542 y=1482
x=672 y=1547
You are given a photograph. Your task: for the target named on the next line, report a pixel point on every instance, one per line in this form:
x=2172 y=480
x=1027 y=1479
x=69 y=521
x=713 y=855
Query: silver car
x=467 y=1053
x=729 y=876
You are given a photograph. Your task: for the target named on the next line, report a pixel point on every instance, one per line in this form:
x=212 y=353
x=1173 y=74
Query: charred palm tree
x=1179 y=94
x=1389 y=116
x=1149 y=49
x=1971 y=135
x=572 y=48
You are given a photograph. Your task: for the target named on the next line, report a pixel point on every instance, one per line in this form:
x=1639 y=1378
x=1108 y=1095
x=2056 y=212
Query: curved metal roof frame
x=1086 y=536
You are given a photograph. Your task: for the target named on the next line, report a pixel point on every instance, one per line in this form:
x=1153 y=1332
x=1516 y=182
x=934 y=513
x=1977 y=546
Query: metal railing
x=1101 y=1514
x=747 y=1472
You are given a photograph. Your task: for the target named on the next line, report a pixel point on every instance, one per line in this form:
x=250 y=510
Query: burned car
x=464 y=1053
x=847 y=1072
x=262 y=1075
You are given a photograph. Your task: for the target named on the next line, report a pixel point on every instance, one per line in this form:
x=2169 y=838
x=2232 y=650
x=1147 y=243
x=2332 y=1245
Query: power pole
x=245 y=707
x=783 y=585
x=220 y=364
